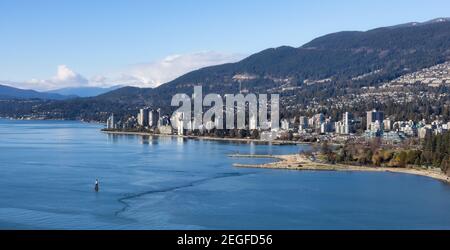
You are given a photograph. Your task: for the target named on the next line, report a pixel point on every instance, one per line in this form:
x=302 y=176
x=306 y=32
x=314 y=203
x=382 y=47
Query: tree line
x=434 y=151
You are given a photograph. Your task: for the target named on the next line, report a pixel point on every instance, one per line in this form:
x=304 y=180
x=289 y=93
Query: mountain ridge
x=84 y=91
x=330 y=65
x=8 y=92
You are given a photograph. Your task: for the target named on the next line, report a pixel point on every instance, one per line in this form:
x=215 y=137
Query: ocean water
x=48 y=170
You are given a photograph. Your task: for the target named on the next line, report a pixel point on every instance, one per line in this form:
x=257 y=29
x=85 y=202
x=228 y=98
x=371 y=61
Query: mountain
x=84 y=91
x=337 y=60
x=329 y=66
x=339 y=57
x=412 y=24
x=7 y=92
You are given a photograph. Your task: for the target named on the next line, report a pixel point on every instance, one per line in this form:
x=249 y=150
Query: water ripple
x=127 y=197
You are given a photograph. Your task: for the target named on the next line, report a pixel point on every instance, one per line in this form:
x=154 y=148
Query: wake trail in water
x=126 y=205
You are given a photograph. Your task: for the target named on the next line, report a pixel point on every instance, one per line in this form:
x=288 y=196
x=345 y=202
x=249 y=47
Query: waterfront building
x=210 y=125
x=159 y=117
x=177 y=122
x=268 y=135
x=284 y=124
x=165 y=130
x=175 y=119
x=111 y=122
x=267 y=125
x=253 y=122
x=163 y=121
x=143 y=117
x=153 y=117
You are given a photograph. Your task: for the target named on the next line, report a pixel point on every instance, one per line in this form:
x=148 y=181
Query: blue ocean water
x=48 y=170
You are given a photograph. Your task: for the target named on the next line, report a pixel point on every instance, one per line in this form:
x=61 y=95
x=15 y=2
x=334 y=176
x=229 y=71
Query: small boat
x=96 y=185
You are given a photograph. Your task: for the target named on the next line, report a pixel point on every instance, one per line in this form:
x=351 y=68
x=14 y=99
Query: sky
x=49 y=44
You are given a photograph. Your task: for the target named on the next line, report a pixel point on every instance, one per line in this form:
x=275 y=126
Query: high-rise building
x=143 y=117
x=373 y=117
x=179 y=117
x=347 y=123
x=111 y=122
x=344 y=127
x=339 y=127
x=316 y=122
x=252 y=124
x=153 y=118
x=326 y=126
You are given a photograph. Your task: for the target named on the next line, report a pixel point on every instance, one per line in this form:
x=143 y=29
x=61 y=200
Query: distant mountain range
x=328 y=66
x=84 y=91
x=7 y=92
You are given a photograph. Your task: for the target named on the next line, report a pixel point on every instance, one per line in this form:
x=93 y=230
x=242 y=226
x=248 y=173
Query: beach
x=302 y=162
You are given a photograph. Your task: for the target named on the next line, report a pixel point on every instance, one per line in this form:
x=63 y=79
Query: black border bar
x=236 y=239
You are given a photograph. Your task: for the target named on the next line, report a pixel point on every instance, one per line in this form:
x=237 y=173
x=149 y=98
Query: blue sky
x=97 y=38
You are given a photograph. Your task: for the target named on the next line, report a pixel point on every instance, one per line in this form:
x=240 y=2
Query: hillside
x=333 y=65
x=338 y=59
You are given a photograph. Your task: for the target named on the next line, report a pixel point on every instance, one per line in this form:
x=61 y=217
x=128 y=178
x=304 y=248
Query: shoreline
x=209 y=138
x=301 y=162
x=66 y=120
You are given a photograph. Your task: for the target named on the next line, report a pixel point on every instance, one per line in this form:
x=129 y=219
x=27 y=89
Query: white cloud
x=67 y=76
x=64 y=78
x=156 y=73
x=150 y=74
x=171 y=67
